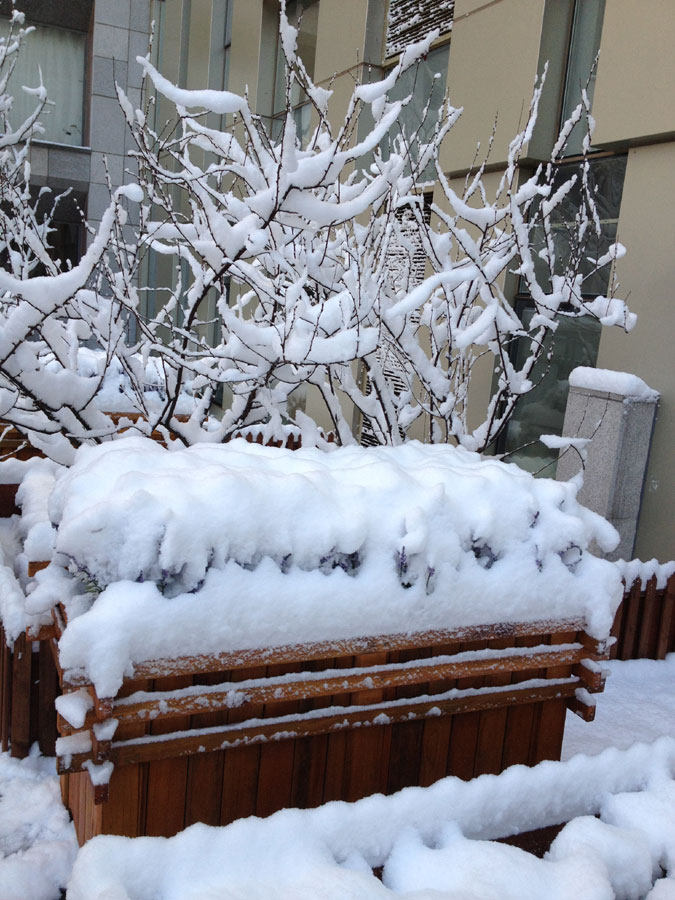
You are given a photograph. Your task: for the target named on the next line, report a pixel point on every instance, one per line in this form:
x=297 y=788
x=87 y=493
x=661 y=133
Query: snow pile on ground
x=638 y=701
x=37 y=838
x=436 y=839
x=224 y=547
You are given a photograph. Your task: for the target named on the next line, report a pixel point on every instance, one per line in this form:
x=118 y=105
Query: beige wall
x=493 y=60
x=246 y=32
x=647 y=278
x=342 y=29
x=635 y=90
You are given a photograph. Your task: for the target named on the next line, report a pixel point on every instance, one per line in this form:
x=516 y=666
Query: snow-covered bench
x=230 y=618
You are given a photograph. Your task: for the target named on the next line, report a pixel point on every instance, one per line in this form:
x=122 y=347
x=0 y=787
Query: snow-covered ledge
x=616 y=411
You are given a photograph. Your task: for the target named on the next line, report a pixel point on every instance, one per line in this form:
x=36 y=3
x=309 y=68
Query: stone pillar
x=616 y=411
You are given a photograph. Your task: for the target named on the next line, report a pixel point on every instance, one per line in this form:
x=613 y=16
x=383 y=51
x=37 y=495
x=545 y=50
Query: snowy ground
x=638 y=704
x=37 y=838
x=37 y=843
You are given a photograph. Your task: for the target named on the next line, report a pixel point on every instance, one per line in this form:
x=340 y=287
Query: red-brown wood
x=20 y=721
x=5 y=690
x=8 y=505
x=492 y=727
x=241 y=765
x=167 y=778
x=644 y=625
x=666 y=639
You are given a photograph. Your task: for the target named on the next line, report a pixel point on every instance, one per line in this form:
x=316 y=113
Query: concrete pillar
x=616 y=411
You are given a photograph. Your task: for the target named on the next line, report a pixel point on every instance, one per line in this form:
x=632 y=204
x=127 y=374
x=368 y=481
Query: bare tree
x=285 y=251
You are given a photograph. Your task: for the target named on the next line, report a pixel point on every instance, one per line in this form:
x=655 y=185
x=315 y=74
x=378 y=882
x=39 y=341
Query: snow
x=115 y=393
x=608 y=381
x=438 y=839
x=638 y=700
x=174 y=552
x=634 y=569
x=37 y=840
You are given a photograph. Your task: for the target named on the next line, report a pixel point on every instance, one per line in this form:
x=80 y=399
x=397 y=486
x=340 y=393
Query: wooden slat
x=241 y=765
x=136 y=750
x=585 y=711
x=437 y=731
x=630 y=623
x=367 y=751
x=309 y=762
x=159 y=668
x=492 y=725
x=617 y=629
x=648 y=622
x=593 y=680
x=519 y=725
x=336 y=747
x=166 y=781
x=204 y=788
x=48 y=690
x=5 y=690
x=165 y=705
x=464 y=738
x=666 y=639
x=275 y=768
x=20 y=725
x=8 y=505
x=407 y=738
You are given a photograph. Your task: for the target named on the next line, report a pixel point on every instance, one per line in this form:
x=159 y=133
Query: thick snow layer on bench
x=224 y=547
x=436 y=840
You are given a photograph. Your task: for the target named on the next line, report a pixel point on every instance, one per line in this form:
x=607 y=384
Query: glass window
x=426 y=83
x=576 y=341
x=606 y=177
x=542 y=411
x=60 y=55
x=303 y=15
x=583 y=49
x=227 y=43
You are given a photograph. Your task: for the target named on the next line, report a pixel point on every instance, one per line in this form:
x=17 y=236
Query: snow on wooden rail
x=349 y=689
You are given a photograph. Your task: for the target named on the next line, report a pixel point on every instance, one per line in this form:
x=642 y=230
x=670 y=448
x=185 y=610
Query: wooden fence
x=644 y=626
x=28 y=688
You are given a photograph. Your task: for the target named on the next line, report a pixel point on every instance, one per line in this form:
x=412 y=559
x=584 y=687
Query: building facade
x=81 y=49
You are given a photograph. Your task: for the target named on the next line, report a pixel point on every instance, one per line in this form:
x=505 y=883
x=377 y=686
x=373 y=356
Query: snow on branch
x=284 y=248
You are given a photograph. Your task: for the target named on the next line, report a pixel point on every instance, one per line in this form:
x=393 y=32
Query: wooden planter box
x=217 y=738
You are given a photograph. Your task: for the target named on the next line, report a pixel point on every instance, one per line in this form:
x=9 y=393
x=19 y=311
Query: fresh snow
x=638 y=703
x=610 y=382
x=436 y=841
x=37 y=838
x=436 y=838
x=174 y=552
